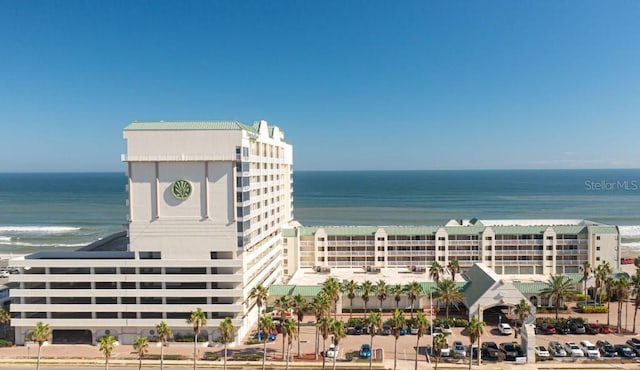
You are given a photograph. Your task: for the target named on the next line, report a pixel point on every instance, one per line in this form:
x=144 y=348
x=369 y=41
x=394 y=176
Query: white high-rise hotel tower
x=207 y=203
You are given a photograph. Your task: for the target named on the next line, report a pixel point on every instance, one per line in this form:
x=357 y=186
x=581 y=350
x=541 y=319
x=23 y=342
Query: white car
x=332 y=351
x=458 y=349
x=573 y=349
x=542 y=352
x=445 y=328
x=4 y=274
x=589 y=349
x=505 y=329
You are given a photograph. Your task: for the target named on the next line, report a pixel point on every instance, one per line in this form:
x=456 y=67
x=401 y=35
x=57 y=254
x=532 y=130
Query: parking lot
x=408 y=345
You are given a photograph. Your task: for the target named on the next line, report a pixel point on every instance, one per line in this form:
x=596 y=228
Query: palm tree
x=290 y=331
x=282 y=304
x=586 y=271
x=475 y=330
x=320 y=306
x=439 y=342
x=421 y=323
x=324 y=325
x=227 y=334
x=610 y=287
x=198 y=319
x=351 y=288
x=623 y=287
x=40 y=334
x=332 y=287
x=164 y=333
x=397 y=322
x=435 y=271
x=338 y=332
x=397 y=291
x=454 y=268
x=522 y=309
x=414 y=291
x=141 y=346
x=299 y=305
x=636 y=297
x=367 y=290
x=107 y=343
x=5 y=318
x=268 y=325
x=449 y=293
x=260 y=294
x=373 y=322
x=559 y=288
x=382 y=291
x=602 y=273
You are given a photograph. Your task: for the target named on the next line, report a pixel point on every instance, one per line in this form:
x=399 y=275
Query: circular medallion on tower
x=181 y=189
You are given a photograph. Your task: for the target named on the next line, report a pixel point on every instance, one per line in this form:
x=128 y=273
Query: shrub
x=211 y=356
x=354 y=321
x=253 y=341
x=578 y=297
x=5 y=343
x=189 y=338
x=149 y=356
x=247 y=357
x=594 y=309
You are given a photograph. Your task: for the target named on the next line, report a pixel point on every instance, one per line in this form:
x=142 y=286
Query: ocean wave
x=6 y=238
x=629 y=231
x=44 y=245
x=39 y=229
x=634 y=245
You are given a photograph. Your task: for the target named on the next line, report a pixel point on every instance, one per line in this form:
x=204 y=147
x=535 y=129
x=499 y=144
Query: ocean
x=43 y=211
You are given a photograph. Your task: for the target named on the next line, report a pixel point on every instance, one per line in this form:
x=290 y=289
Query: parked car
x=548 y=328
x=542 y=352
x=413 y=330
x=403 y=331
x=573 y=349
x=357 y=330
x=260 y=336
x=624 y=350
x=606 y=349
x=4 y=274
x=505 y=329
x=577 y=328
x=509 y=349
x=386 y=330
x=589 y=349
x=604 y=329
x=445 y=328
x=634 y=343
x=591 y=329
x=490 y=351
x=332 y=351
x=458 y=349
x=365 y=351
x=556 y=349
x=563 y=329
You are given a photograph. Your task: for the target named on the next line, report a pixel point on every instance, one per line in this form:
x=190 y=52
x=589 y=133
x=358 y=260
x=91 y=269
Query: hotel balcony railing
x=340 y=243
x=351 y=253
x=516 y=253
x=519 y=242
x=464 y=242
x=463 y=252
x=411 y=242
x=571 y=241
x=519 y=262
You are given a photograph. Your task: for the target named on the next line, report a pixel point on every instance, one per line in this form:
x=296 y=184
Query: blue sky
x=354 y=84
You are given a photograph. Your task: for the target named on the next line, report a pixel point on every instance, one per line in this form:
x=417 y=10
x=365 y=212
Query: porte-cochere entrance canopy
x=485 y=289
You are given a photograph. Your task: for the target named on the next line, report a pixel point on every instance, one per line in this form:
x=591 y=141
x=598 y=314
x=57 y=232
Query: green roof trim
x=190 y=125
x=603 y=229
x=289 y=233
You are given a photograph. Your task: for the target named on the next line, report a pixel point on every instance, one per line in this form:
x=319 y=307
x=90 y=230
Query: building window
x=320 y=239
x=381 y=259
x=380 y=239
x=598 y=237
x=597 y=258
x=597 y=248
x=488 y=238
x=441 y=238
